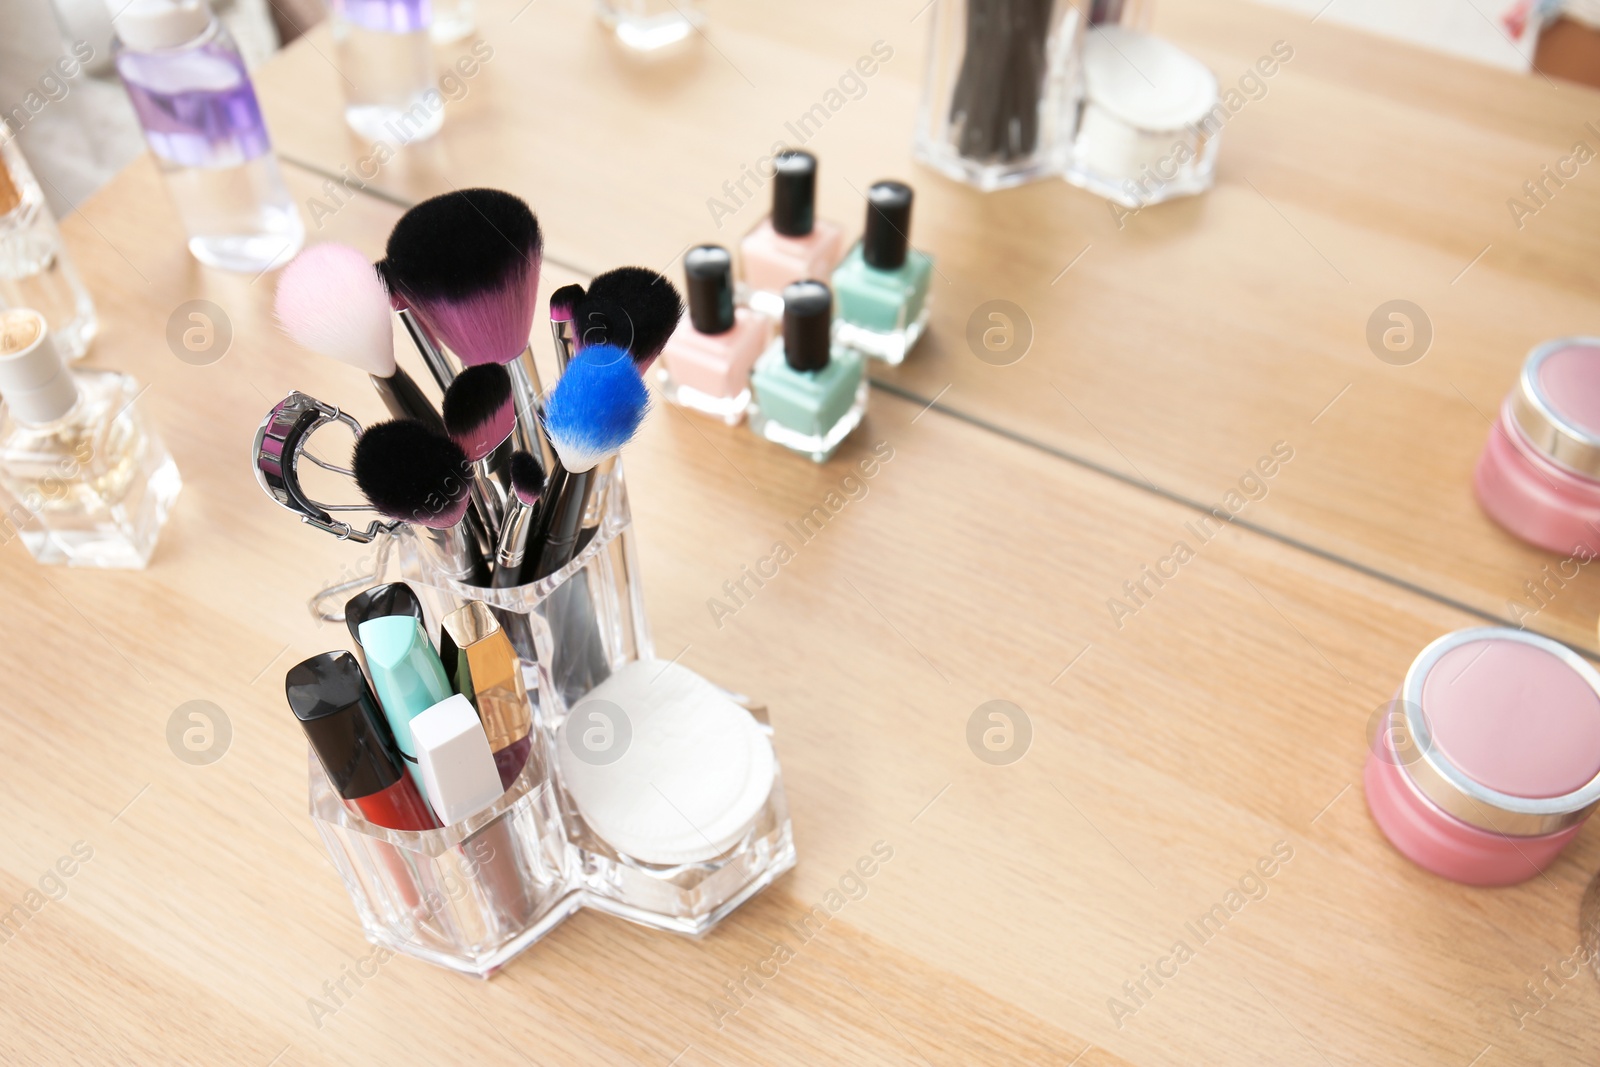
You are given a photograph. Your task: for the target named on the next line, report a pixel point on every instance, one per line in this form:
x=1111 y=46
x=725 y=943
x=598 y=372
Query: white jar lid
x=1145 y=81
x=145 y=25
x=34 y=382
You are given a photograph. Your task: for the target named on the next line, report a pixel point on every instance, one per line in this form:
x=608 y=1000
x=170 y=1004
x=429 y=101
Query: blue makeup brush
x=595 y=409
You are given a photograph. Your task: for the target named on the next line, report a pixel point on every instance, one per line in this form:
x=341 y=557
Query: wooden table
x=1172 y=348
x=1220 y=728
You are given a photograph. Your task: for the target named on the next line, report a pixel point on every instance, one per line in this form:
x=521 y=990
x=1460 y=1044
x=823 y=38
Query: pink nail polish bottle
x=706 y=364
x=791 y=244
x=1488 y=762
x=1539 y=475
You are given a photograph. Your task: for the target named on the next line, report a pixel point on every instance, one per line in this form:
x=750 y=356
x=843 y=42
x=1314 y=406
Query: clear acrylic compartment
x=999 y=105
x=468 y=897
x=573 y=630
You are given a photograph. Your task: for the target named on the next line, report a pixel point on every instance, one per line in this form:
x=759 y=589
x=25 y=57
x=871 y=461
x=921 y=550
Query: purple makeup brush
x=410 y=474
x=527 y=488
x=563 y=307
x=479 y=416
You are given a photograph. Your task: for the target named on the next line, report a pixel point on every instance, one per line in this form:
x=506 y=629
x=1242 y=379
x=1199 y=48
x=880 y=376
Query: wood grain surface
x=1203 y=755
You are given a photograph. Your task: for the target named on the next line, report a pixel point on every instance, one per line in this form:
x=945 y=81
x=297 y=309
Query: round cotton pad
x=696 y=771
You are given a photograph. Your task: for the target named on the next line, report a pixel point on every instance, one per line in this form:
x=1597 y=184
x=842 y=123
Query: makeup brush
x=479 y=416
x=423 y=341
x=468 y=264
x=633 y=308
x=331 y=300
x=410 y=474
x=527 y=488
x=563 y=306
x=595 y=409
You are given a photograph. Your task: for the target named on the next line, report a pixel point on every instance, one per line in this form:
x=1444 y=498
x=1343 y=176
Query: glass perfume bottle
x=193 y=97
x=34 y=269
x=91 y=484
x=453 y=20
x=882 y=285
x=809 y=392
x=706 y=364
x=792 y=243
x=649 y=25
x=386 y=51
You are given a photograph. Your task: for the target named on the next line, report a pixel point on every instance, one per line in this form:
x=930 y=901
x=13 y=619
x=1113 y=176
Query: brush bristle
x=332 y=301
x=477 y=409
x=564 y=303
x=596 y=407
x=411 y=474
x=527 y=478
x=468 y=263
x=630 y=307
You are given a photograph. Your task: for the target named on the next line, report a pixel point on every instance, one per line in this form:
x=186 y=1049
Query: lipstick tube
x=408 y=676
x=485 y=671
x=330 y=698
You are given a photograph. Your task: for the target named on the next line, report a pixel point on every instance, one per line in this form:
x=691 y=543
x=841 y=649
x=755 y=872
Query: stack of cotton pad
x=696 y=771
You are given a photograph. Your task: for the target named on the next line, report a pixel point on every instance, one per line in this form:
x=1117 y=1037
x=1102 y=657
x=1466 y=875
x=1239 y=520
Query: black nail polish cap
x=794 y=192
x=708 y=277
x=329 y=695
x=807 y=325
x=888 y=234
x=393 y=598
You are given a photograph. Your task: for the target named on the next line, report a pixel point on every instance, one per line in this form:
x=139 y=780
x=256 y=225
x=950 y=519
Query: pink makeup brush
x=332 y=301
x=479 y=416
x=563 y=307
x=468 y=264
x=410 y=474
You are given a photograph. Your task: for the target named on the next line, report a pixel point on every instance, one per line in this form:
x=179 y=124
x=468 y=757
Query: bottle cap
x=888 y=234
x=329 y=695
x=33 y=380
x=708 y=273
x=807 y=325
x=146 y=25
x=794 y=192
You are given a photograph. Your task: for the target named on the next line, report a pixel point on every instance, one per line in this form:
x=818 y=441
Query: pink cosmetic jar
x=1539 y=475
x=1489 y=762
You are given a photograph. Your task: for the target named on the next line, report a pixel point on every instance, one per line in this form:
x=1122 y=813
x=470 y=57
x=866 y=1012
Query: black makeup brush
x=563 y=308
x=633 y=308
x=468 y=264
x=479 y=416
x=410 y=474
x=527 y=487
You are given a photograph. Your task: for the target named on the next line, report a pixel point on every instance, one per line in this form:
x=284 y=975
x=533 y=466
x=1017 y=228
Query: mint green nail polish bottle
x=882 y=285
x=809 y=392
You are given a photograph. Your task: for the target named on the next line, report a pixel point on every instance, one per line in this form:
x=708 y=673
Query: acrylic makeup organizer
x=571 y=630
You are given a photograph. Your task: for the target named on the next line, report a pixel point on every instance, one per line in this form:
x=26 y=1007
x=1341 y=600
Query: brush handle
x=405 y=400
x=453 y=552
x=487 y=495
x=528 y=394
x=560 y=541
x=427 y=348
x=561 y=335
x=513 y=544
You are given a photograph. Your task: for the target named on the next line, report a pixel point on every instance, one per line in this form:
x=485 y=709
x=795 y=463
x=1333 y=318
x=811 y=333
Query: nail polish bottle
x=90 y=483
x=706 y=364
x=882 y=285
x=809 y=392
x=791 y=243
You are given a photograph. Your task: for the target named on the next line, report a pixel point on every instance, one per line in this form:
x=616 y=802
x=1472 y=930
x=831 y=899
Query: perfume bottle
x=809 y=392
x=453 y=20
x=386 y=51
x=34 y=269
x=90 y=483
x=882 y=285
x=198 y=108
x=791 y=243
x=706 y=364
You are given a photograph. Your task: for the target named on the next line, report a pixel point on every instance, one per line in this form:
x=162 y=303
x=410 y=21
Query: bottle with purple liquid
x=386 y=56
x=193 y=97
